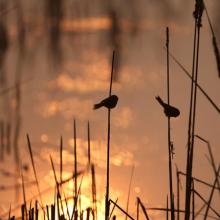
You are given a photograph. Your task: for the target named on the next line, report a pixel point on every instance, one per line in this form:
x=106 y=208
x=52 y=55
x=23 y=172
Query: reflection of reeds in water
x=54 y=17
x=60 y=208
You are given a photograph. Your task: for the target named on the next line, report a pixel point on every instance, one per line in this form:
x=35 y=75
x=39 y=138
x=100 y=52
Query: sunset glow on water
x=61 y=83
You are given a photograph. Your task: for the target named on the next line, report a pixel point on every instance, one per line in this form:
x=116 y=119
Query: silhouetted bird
x=109 y=102
x=169 y=110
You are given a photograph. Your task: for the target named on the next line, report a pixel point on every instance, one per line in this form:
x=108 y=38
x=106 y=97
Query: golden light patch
x=44 y=138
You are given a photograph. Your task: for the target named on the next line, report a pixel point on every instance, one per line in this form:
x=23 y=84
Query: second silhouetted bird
x=109 y=102
x=170 y=111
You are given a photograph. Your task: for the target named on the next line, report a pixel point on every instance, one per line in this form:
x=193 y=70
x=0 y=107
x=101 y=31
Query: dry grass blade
x=36 y=210
x=200 y=210
x=76 y=199
x=34 y=169
x=214 y=42
x=94 y=190
x=199 y=87
x=211 y=157
x=66 y=202
x=89 y=150
x=72 y=177
x=24 y=196
x=113 y=208
x=143 y=208
x=211 y=194
x=122 y=210
x=213 y=210
x=176 y=210
x=217 y=54
x=199 y=181
x=129 y=190
x=48 y=212
x=9 y=213
x=61 y=159
x=59 y=199
x=75 y=158
x=137 y=201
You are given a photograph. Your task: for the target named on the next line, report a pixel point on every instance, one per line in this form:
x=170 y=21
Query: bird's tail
x=96 y=106
x=159 y=100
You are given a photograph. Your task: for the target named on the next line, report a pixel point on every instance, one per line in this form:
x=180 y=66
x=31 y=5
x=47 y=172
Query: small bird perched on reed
x=109 y=102
x=170 y=111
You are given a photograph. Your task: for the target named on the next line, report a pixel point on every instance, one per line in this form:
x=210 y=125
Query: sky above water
x=55 y=94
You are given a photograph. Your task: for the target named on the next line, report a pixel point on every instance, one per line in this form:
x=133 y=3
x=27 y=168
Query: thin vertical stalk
x=193 y=201
x=129 y=190
x=167 y=212
x=189 y=174
x=61 y=160
x=24 y=196
x=75 y=161
x=108 y=145
x=178 y=193
x=169 y=135
x=89 y=150
x=191 y=126
x=48 y=212
x=36 y=210
x=9 y=213
x=94 y=191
